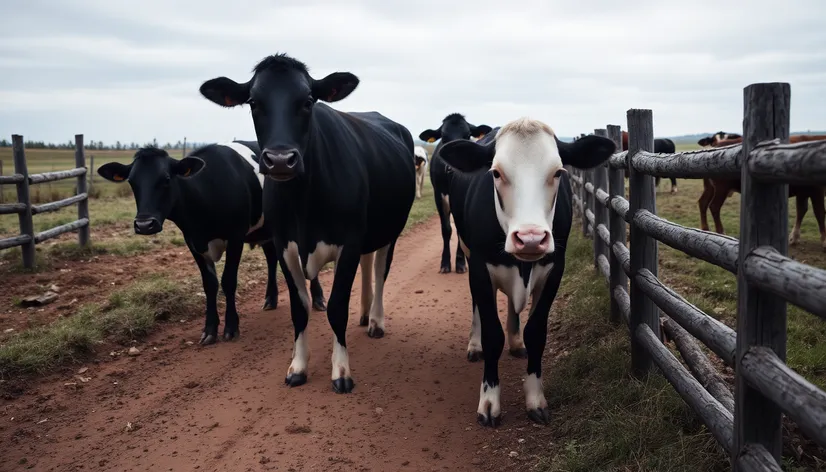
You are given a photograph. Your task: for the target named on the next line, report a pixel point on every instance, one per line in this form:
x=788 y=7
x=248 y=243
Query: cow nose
x=147 y=226
x=279 y=163
x=531 y=240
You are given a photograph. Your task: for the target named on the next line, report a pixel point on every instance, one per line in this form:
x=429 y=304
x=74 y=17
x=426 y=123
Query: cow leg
x=443 y=207
x=801 y=207
x=715 y=206
x=536 y=335
x=493 y=340
x=673 y=185
x=657 y=182
x=271 y=296
x=229 y=283
x=300 y=313
x=318 y=295
x=516 y=346
x=461 y=264
x=210 y=281
x=474 y=346
x=338 y=313
x=384 y=257
x=705 y=199
x=820 y=214
x=366 y=264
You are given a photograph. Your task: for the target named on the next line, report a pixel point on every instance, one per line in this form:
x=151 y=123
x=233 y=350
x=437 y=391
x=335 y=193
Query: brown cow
x=716 y=191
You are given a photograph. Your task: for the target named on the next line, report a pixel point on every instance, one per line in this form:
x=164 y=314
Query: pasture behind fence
x=746 y=424
x=27 y=239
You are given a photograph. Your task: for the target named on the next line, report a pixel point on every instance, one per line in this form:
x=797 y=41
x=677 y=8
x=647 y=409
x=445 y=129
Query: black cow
x=214 y=196
x=511 y=200
x=453 y=127
x=339 y=187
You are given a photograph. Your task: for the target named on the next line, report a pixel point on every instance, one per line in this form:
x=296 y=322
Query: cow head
x=281 y=95
x=153 y=176
x=526 y=162
x=419 y=156
x=717 y=137
x=454 y=127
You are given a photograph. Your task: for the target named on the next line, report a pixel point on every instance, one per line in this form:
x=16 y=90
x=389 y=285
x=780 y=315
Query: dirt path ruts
x=180 y=407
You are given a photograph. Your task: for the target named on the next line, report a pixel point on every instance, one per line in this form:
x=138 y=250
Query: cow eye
x=308 y=103
x=496 y=174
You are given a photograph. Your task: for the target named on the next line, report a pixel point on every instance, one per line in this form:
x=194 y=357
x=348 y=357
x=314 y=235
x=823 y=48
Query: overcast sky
x=130 y=70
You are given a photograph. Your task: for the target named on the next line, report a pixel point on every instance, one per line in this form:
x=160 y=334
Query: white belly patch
x=508 y=280
x=321 y=255
x=215 y=250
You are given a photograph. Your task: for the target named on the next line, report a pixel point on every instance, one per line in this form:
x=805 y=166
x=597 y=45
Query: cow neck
x=176 y=213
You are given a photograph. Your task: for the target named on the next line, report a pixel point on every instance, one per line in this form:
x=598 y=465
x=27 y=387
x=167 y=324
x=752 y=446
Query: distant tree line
x=100 y=145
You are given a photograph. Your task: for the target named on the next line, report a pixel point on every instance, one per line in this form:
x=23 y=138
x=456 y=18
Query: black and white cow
x=511 y=200
x=214 y=196
x=453 y=127
x=339 y=188
x=420 y=161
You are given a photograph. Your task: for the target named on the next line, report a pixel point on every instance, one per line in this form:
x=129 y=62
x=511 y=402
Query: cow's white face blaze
x=526 y=170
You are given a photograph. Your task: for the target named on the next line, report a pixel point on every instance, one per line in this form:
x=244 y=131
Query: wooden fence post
x=83 y=205
x=583 y=175
x=183 y=153
x=600 y=212
x=643 y=247
x=91 y=172
x=616 y=186
x=25 y=217
x=2 y=192
x=761 y=316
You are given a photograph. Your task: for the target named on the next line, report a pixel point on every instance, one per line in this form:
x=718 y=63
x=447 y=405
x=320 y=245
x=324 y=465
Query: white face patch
x=215 y=250
x=248 y=156
x=321 y=255
x=526 y=174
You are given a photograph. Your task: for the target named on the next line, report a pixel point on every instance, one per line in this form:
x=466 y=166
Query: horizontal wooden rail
x=58 y=230
x=14 y=241
x=53 y=206
x=711 y=247
x=604 y=234
x=589 y=215
x=11 y=179
x=755 y=458
x=717 y=163
x=799 y=163
x=618 y=160
x=589 y=187
x=721 y=339
x=802 y=401
x=623 y=255
x=604 y=267
x=577 y=179
x=620 y=206
x=717 y=419
x=800 y=284
x=624 y=302
x=602 y=197
x=12 y=208
x=56 y=175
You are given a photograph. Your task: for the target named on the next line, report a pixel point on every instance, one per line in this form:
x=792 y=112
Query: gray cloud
x=130 y=71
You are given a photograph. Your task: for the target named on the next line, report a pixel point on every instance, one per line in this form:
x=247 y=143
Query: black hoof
x=343 y=385
x=364 y=320
x=489 y=421
x=208 y=337
x=461 y=268
x=294 y=380
x=270 y=303
x=233 y=334
x=375 y=332
x=319 y=305
x=540 y=416
x=444 y=270
x=520 y=353
x=474 y=356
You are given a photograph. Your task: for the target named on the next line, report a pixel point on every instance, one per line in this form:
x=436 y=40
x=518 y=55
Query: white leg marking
x=322 y=254
x=341 y=361
x=489 y=401
x=293 y=261
x=515 y=341
x=301 y=356
x=794 y=236
x=215 y=249
x=377 y=309
x=366 y=285
x=534 y=394
x=474 y=346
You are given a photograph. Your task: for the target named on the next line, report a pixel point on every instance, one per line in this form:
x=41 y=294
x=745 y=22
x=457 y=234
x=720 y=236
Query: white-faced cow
x=511 y=200
x=420 y=159
x=339 y=187
x=453 y=127
x=214 y=196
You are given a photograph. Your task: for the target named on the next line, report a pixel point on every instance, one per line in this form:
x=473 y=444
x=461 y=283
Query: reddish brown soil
x=181 y=407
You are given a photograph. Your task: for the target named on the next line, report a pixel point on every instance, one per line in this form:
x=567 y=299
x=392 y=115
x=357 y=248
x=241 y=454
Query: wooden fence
x=746 y=424
x=25 y=210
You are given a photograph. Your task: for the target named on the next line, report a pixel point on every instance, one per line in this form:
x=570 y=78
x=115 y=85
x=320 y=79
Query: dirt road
x=181 y=407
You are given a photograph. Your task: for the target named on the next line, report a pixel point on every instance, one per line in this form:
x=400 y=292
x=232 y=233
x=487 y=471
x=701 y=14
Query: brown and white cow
x=420 y=159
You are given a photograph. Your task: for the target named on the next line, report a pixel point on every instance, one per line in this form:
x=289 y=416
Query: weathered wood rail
x=25 y=210
x=747 y=422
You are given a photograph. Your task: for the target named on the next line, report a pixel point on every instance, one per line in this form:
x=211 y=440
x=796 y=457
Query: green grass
x=128 y=314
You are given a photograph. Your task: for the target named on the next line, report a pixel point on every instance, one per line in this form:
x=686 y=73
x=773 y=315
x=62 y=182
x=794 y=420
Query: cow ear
x=466 y=156
x=480 y=131
x=188 y=166
x=114 y=171
x=335 y=86
x=430 y=135
x=587 y=152
x=225 y=92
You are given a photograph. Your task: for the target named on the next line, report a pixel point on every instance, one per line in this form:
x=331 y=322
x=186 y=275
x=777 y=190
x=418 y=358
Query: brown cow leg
x=801 y=207
x=705 y=199
x=720 y=195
